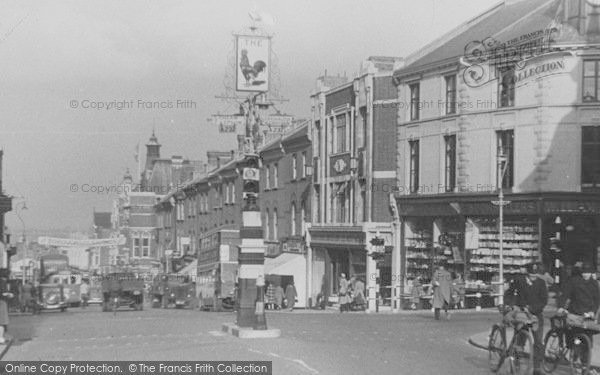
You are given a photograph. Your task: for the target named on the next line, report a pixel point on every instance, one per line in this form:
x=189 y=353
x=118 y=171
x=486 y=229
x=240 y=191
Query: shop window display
x=520 y=248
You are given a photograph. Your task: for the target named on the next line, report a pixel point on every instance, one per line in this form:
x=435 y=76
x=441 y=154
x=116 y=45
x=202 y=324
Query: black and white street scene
x=309 y=187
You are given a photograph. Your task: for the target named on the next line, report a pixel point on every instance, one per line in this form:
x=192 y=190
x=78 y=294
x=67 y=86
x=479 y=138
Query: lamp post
x=501 y=170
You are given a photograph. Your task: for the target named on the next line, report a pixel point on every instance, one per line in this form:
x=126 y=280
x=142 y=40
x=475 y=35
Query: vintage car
x=172 y=290
x=183 y=295
x=52 y=297
x=122 y=289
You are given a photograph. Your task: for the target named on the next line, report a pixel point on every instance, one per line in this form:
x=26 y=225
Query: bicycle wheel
x=520 y=353
x=496 y=347
x=581 y=353
x=554 y=349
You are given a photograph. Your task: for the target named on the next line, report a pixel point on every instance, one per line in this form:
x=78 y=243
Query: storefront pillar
x=397 y=277
x=372 y=286
x=310 y=302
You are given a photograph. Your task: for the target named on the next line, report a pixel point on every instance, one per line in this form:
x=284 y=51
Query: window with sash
x=450 y=175
x=505 y=143
x=414 y=166
x=590 y=157
x=414 y=101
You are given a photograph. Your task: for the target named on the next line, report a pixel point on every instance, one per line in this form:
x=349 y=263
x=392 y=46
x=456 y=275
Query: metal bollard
x=478 y=306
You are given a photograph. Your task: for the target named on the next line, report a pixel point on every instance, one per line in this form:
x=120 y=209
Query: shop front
x=462 y=233
x=335 y=251
x=285 y=262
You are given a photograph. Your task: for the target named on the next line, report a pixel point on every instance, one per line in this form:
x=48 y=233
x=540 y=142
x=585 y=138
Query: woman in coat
x=442 y=291
x=344 y=299
x=270 y=297
x=359 y=294
x=278 y=297
x=290 y=295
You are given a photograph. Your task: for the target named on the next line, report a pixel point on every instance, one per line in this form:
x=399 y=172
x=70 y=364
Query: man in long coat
x=344 y=299
x=442 y=291
x=278 y=297
x=290 y=295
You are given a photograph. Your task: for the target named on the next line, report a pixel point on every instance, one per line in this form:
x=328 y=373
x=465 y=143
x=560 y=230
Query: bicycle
x=520 y=350
x=569 y=342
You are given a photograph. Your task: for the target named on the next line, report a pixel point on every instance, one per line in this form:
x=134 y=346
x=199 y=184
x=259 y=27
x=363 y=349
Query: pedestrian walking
x=270 y=296
x=278 y=297
x=84 y=292
x=442 y=297
x=359 y=294
x=344 y=299
x=290 y=296
x=27 y=297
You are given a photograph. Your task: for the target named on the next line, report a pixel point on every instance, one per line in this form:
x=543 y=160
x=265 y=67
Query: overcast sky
x=54 y=54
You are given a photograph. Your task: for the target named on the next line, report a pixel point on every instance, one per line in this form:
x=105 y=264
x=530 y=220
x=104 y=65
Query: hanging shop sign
x=252 y=63
x=229 y=123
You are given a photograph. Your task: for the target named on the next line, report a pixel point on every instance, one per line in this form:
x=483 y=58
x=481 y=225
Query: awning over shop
x=285 y=264
x=288 y=264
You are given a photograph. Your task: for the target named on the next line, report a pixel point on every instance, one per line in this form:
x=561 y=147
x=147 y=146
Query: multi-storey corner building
x=285 y=183
x=353 y=136
x=510 y=99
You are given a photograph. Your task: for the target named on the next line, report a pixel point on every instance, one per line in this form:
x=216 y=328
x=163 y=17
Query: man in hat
x=581 y=295
x=528 y=292
x=537 y=298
